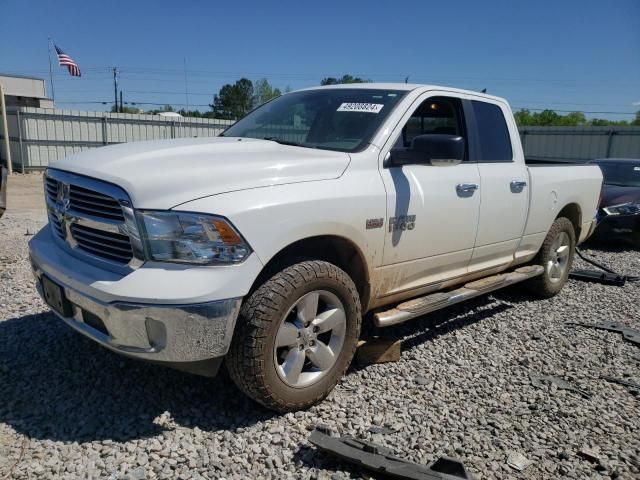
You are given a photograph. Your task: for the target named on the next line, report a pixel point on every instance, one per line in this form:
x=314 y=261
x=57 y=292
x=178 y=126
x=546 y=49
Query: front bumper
x=626 y=227
x=162 y=320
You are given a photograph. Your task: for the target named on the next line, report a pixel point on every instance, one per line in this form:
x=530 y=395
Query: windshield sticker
x=360 y=107
x=636 y=169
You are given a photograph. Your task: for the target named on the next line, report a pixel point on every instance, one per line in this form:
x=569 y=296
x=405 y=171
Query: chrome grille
x=51 y=188
x=95 y=204
x=92 y=218
x=113 y=246
x=56 y=226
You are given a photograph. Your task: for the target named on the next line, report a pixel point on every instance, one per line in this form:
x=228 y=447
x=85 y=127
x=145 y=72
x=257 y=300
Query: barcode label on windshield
x=361 y=107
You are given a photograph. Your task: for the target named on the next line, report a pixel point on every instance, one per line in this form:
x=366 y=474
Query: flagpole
x=53 y=92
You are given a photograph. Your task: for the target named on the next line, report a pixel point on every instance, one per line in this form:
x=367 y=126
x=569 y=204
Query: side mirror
x=432 y=149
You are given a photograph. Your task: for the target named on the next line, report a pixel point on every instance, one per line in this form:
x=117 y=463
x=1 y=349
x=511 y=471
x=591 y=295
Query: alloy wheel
x=310 y=338
x=558 y=262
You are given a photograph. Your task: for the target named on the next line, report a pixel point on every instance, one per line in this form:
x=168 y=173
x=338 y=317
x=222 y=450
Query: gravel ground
x=71 y=409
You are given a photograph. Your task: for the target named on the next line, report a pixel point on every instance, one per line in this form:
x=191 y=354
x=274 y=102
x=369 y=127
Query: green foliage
x=233 y=101
x=264 y=91
x=549 y=118
x=195 y=113
x=343 y=79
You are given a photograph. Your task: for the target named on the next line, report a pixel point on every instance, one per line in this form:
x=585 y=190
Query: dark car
x=619 y=212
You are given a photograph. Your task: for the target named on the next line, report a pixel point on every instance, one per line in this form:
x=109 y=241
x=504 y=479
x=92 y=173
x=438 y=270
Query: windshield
x=621 y=174
x=334 y=119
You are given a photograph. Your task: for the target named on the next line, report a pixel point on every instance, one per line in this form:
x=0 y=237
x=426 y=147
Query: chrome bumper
x=168 y=334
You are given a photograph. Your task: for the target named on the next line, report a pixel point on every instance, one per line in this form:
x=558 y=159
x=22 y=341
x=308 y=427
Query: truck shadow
x=57 y=385
x=610 y=246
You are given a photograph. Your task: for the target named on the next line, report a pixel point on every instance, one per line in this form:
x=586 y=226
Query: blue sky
x=568 y=55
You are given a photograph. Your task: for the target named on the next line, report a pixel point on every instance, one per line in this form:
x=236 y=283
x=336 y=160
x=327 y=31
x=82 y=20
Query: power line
x=145 y=71
x=208 y=105
x=210 y=94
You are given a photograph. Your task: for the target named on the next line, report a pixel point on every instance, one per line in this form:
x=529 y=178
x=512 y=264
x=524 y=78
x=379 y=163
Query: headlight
x=191 y=238
x=623 y=209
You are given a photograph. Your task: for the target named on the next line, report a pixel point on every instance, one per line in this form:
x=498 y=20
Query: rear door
x=504 y=198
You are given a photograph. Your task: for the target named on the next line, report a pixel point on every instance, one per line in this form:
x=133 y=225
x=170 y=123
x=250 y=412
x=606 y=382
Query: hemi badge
x=374 y=223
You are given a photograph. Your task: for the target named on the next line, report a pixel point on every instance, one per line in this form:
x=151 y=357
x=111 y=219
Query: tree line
x=550 y=118
x=235 y=100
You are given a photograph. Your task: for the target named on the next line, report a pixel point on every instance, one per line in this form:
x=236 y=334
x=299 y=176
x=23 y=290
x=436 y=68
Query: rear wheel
x=296 y=336
x=556 y=256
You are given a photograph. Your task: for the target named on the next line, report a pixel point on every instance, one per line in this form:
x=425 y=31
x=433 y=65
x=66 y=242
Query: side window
x=493 y=134
x=442 y=115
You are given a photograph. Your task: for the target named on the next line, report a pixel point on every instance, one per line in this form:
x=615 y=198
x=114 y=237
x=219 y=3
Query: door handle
x=517 y=185
x=467 y=187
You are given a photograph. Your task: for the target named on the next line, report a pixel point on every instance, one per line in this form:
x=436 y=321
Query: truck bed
x=557 y=185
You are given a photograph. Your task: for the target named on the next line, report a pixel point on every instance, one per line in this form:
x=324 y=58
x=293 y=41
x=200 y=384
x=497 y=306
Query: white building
x=22 y=91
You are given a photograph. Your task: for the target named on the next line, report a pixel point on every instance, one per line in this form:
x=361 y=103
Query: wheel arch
x=573 y=213
x=335 y=249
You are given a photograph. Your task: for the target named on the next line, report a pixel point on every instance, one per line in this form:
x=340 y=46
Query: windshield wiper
x=284 y=142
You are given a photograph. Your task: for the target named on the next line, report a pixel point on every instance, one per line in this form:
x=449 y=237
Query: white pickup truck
x=268 y=246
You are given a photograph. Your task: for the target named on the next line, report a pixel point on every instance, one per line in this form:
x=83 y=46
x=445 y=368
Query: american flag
x=66 y=60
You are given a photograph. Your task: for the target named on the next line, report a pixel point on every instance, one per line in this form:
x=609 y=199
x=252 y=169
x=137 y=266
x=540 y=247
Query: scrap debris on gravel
x=462 y=388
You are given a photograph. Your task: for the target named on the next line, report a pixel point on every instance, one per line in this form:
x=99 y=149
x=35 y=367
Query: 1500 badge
x=402 y=222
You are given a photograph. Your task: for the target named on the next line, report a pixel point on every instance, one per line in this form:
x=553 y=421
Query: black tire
x=250 y=361
x=544 y=285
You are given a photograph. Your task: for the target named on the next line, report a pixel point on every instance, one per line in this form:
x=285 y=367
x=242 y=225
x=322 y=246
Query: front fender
x=274 y=217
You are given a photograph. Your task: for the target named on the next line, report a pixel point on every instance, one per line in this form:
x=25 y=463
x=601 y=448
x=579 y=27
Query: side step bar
x=435 y=301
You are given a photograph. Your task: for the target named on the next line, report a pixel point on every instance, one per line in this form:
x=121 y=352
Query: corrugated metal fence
x=580 y=143
x=40 y=136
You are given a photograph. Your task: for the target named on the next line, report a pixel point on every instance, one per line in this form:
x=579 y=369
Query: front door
x=433 y=210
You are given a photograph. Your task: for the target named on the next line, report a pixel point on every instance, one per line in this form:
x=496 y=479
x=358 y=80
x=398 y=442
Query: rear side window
x=494 y=140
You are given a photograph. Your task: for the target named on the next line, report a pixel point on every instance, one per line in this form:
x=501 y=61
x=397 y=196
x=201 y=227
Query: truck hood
x=162 y=174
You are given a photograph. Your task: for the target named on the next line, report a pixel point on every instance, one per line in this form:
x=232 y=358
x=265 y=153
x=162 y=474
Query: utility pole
x=115 y=87
x=186 y=83
x=121 y=103
x=5 y=131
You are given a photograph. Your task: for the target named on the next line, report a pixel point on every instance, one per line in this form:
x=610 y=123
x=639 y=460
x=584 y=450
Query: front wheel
x=296 y=336
x=556 y=256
